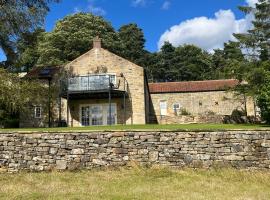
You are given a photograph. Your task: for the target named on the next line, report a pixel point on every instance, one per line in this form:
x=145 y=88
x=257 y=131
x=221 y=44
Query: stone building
x=198 y=101
x=101 y=88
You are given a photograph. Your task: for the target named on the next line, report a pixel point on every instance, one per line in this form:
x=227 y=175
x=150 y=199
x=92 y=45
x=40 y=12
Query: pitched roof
x=193 y=86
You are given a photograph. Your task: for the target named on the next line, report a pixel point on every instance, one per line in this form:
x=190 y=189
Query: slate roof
x=193 y=86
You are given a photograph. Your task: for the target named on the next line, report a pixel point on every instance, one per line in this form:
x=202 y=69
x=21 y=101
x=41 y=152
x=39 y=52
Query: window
x=200 y=103
x=37 y=112
x=176 y=107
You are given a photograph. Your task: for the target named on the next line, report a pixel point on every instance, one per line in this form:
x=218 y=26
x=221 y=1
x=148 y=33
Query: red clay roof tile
x=192 y=86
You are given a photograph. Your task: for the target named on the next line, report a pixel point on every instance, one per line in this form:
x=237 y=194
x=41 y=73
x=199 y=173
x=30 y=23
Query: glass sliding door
x=85 y=116
x=111 y=119
x=97 y=115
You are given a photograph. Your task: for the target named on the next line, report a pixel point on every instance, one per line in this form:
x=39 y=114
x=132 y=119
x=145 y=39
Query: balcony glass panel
x=91 y=82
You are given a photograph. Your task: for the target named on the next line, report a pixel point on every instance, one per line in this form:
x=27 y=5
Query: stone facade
x=83 y=150
x=99 y=60
x=199 y=107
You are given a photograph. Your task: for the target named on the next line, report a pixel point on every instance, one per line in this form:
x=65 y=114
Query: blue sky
x=206 y=23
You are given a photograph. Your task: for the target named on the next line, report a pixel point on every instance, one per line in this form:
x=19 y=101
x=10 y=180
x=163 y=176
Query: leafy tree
x=132 y=40
x=18 y=17
x=16 y=94
x=257 y=48
x=73 y=36
x=192 y=63
x=229 y=62
x=28 y=54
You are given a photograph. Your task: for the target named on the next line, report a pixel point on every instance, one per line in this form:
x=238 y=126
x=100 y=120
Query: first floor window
x=37 y=111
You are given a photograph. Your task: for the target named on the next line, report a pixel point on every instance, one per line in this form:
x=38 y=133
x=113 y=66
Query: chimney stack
x=97 y=43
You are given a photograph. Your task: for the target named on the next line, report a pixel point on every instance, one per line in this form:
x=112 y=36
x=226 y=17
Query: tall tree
x=256 y=44
x=192 y=63
x=132 y=40
x=73 y=35
x=256 y=41
x=18 y=17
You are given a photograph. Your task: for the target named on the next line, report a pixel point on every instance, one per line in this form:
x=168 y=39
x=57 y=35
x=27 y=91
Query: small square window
x=216 y=103
x=37 y=112
x=200 y=103
x=176 y=106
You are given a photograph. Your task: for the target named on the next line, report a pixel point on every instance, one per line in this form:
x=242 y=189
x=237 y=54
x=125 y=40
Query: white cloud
x=208 y=33
x=91 y=8
x=137 y=3
x=166 y=5
x=252 y=2
x=96 y=10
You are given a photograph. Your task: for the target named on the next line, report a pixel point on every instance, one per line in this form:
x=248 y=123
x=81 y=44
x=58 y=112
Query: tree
x=192 y=63
x=256 y=41
x=27 y=46
x=257 y=48
x=229 y=62
x=132 y=40
x=73 y=35
x=16 y=94
x=18 y=17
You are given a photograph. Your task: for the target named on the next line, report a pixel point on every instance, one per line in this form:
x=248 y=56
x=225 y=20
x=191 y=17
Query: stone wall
x=199 y=104
x=48 y=151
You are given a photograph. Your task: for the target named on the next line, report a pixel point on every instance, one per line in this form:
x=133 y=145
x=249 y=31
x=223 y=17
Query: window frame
x=35 y=112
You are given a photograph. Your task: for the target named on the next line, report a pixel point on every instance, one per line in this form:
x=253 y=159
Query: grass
x=138 y=183
x=171 y=127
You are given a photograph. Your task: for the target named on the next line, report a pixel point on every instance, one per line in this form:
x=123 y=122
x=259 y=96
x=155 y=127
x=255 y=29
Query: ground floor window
x=37 y=112
x=98 y=114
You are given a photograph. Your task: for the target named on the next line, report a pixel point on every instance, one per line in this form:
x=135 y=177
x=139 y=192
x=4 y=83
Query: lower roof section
x=193 y=86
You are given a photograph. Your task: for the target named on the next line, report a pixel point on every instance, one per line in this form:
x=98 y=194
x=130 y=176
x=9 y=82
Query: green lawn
x=138 y=183
x=183 y=127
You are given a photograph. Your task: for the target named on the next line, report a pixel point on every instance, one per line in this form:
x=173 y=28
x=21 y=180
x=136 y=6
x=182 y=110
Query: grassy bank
x=187 y=127
x=138 y=183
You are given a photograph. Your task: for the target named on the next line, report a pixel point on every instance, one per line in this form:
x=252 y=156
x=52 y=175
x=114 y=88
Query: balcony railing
x=91 y=82
x=95 y=82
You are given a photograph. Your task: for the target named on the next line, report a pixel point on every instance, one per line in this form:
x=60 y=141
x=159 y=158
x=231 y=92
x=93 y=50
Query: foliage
x=257 y=49
x=16 y=94
x=182 y=63
x=132 y=41
x=264 y=99
x=27 y=46
x=72 y=37
x=18 y=17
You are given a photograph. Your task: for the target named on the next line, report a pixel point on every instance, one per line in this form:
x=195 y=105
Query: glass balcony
x=90 y=83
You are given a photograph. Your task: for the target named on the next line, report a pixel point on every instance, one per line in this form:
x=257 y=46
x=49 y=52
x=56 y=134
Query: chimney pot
x=97 y=42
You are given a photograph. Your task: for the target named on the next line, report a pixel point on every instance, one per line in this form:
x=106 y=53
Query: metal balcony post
x=110 y=103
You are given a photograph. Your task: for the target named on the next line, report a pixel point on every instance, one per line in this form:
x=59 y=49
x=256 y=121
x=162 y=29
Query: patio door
x=98 y=114
x=85 y=116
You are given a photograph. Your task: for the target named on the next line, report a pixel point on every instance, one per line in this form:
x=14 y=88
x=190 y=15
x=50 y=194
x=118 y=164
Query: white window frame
x=36 y=112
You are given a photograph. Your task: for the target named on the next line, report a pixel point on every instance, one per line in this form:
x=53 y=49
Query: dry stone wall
x=80 y=150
